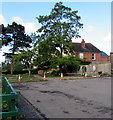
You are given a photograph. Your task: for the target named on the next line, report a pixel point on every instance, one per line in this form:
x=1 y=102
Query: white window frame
x=81 y=55
x=93 y=56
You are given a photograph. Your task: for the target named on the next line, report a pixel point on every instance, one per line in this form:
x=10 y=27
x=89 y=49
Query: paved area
x=79 y=98
x=27 y=109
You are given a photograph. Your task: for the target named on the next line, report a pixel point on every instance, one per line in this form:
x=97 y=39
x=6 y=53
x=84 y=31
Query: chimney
x=83 y=43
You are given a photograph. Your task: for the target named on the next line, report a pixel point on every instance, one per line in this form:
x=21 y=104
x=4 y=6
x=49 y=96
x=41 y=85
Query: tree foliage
x=26 y=58
x=14 y=36
x=67 y=64
x=53 y=41
x=18 y=68
x=60 y=27
x=56 y=31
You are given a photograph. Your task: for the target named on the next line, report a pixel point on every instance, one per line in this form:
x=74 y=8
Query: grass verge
x=24 y=78
x=53 y=76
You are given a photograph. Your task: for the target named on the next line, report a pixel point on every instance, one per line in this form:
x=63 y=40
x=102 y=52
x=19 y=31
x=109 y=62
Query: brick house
x=90 y=52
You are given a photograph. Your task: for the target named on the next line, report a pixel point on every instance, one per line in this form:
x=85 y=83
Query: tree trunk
x=12 y=67
x=61 y=49
x=29 y=72
x=29 y=69
x=12 y=61
x=60 y=68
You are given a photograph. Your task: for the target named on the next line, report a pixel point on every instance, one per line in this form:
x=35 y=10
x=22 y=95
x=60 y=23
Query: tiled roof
x=103 y=54
x=88 y=48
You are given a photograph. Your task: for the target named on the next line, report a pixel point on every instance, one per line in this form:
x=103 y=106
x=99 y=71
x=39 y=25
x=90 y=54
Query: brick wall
x=88 y=55
x=105 y=59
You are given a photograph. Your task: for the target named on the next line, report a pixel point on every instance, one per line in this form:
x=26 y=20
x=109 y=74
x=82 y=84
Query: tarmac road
x=79 y=98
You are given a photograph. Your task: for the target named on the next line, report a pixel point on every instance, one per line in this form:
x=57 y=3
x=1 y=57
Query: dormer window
x=93 y=56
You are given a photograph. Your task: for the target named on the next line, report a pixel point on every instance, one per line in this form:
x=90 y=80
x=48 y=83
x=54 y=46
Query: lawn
x=53 y=76
x=24 y=78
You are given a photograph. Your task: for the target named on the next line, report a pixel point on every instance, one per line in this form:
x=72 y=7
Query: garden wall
x=96 y=68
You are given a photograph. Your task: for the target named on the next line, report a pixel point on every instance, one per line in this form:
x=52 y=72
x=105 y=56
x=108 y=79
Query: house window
x=93 y=56
x=81 y=55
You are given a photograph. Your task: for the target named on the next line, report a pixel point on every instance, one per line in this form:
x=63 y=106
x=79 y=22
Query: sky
x=95 y=16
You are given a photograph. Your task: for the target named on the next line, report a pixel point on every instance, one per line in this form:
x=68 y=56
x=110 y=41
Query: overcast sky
x=95 y=16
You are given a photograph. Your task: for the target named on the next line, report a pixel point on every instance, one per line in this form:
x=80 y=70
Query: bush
x=55 y=73
x=67 y=64
x=5 y=68
x=85 y=62
x=34 y=71
x=18 y=68
x=106 y=74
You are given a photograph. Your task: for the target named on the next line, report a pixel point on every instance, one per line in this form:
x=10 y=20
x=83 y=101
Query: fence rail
x=8 y=100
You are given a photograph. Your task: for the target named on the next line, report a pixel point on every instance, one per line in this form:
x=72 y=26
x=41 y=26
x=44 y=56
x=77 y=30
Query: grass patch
x=50 y=76
x=73 y=75
x=53 y=76
x=24 y=78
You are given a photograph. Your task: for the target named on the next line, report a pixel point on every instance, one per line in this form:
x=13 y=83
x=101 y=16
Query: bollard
x=86 y=75
x=19 y=78
x=19 y=82
x=61 y=76
x=44 y=76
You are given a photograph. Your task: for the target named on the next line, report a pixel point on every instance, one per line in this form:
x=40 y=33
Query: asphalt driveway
x=79 y=98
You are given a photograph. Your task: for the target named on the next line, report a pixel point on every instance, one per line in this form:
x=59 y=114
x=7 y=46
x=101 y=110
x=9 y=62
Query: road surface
x=79 y=98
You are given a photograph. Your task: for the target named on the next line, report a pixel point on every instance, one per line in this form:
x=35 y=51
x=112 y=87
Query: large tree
x=14 y=36
x=57 y=30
